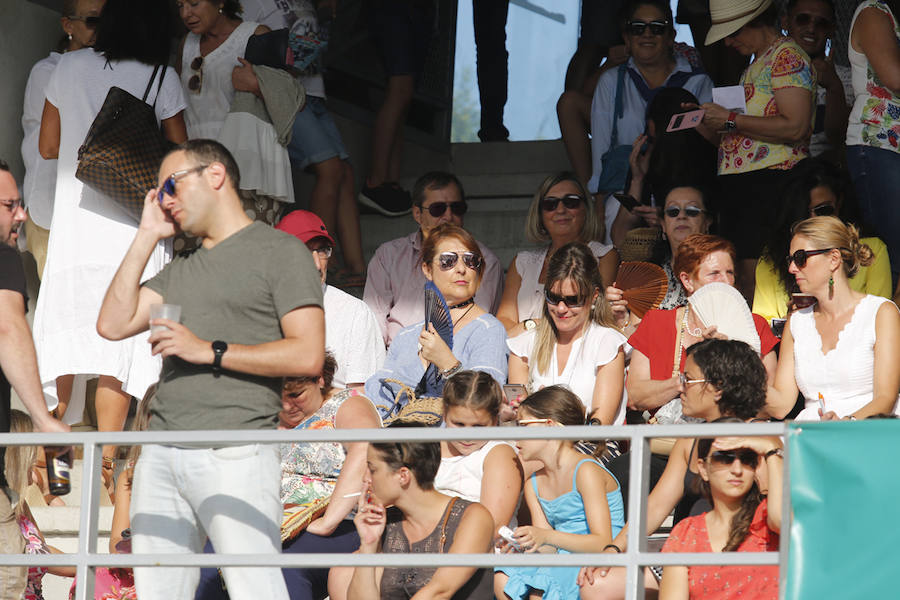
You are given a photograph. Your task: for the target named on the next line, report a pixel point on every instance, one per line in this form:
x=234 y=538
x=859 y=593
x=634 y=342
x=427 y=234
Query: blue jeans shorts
x=315 y=137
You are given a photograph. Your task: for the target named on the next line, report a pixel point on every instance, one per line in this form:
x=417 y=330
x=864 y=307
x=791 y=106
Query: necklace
x=684 y=327
x=459 y=320
x=463 y=303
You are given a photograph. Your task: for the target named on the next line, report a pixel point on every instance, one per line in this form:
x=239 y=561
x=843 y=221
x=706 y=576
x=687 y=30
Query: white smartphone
x=507 y=534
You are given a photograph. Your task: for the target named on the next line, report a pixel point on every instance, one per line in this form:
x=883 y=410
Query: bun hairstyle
x=831 y=232
x=475 y=390
x=421 y=458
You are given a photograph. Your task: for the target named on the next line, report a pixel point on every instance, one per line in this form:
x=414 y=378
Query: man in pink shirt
x=395 y=282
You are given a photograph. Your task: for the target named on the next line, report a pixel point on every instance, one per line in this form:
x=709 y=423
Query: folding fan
x=438 y=314
x=643 y=286
x=721 y=305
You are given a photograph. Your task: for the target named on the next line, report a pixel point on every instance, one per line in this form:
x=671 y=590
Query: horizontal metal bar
x=252 y=436
x=316 y=560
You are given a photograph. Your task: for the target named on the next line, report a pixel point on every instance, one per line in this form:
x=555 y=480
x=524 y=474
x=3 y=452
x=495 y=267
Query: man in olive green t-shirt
x=251 y=313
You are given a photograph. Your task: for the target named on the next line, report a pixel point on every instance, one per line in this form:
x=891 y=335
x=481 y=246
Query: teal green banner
x=845 y=493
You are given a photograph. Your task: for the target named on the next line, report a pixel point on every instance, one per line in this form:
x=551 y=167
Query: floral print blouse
x=783 y=65
x=34 y=544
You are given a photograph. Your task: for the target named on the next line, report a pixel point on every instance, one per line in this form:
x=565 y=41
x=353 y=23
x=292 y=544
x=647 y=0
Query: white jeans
x=231 y=494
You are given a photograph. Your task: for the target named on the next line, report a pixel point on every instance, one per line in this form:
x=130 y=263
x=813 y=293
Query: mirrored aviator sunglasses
x=726 y=458
x=637 y=28
x=570 y=201
x=448 y=260
x=690 y=211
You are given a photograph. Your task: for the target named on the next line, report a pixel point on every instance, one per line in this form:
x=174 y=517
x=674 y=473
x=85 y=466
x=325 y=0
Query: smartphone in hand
x=687 y=120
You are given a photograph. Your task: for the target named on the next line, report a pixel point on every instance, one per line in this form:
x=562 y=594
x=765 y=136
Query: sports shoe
x=388 y=199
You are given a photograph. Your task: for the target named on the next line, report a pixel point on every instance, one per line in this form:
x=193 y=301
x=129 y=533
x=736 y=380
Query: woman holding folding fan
x=576 y=343
x=452 y=261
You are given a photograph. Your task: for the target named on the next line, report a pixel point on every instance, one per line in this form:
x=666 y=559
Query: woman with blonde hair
x=561 y=212
x=576 y=343
x=840 y=352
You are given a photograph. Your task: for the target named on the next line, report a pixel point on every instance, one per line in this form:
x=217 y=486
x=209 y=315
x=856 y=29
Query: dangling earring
x=70 y=37
x=830 y=287
x=221 y=11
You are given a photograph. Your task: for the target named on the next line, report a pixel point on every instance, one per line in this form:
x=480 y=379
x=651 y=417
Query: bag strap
x=618 y=107
x=150 y=83
x=676 y=79
x=444 y=522
x=159 y=85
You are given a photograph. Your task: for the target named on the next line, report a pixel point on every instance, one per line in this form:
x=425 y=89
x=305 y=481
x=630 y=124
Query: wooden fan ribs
x=644 y=285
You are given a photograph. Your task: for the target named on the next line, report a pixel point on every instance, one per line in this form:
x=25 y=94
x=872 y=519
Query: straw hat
x=730 y=15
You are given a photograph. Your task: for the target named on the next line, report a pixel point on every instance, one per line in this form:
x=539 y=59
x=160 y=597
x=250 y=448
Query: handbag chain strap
x=618 y=108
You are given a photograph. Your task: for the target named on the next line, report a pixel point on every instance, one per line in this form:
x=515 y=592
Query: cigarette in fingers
x=353 y=495
x=822 y=403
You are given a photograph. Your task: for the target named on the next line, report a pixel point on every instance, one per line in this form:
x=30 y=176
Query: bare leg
x=612 y=587
x=500 y=580
x=64 y=385
x=324 y=197
x=339 y=582
x=388 y=122
x=574 y=113
x=112 y=409
x=348 y=229
x=586 y=59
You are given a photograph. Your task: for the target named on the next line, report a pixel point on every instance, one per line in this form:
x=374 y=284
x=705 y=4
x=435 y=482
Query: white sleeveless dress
x=845 y=375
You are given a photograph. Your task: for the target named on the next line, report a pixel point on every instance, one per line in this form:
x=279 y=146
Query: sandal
x=107 y=474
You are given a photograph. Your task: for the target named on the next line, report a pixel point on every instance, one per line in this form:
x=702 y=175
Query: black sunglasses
x=691 y=211
x=726 y=458
x=448 y=260
x=196 y=80
x=570 y=301
x=88 y=21
x=804 y=19
x=637 y=28
x=823 y=210
x=800 y=257
x=438 y=209
x=570 y=201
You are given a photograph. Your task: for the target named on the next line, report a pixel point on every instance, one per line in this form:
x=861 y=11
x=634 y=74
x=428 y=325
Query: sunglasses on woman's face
x=800 y=257
x=690 y=211
x=822 y=210
x=88 y=21
x=570 y=301
x=438 y=209
x=804 y=19
x=637 y=28
x=570 y=201
x=726 y=458
x=448 y=260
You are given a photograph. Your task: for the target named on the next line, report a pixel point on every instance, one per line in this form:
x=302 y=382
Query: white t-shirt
x=461 y=475
x=598 y=346
x=40 y=174
x=299 y=16
x=353 y=336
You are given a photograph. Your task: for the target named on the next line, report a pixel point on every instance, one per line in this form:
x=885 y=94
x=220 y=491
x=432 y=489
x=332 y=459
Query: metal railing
x=636 y=556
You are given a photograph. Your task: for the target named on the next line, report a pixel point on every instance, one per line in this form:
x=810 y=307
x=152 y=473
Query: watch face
x=219 y=346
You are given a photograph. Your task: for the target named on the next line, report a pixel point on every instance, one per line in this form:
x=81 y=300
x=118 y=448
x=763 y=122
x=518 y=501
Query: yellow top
x=770 y=299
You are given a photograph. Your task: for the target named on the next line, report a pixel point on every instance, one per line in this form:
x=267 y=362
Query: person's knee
x=330 y=171
x=400 y=88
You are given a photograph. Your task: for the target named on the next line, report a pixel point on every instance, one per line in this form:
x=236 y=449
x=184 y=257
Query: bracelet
x=613 y=546
x=446 y=374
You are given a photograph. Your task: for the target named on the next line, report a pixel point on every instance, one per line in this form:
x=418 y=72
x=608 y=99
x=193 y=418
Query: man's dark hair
x=792 y=4
x=135 y=29
x=3 y=165
x=735 y=369
x=434 y=180
x=209 y=151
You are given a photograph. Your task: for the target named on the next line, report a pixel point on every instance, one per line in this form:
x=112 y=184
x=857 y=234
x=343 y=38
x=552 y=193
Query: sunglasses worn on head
x=822 y=210
x=438 y=209
x=448 y=260
x=637 y=28
x=570 y=201
x=195 y=83
x=168 y=186
x=88 y=21
x=570 y=301
x=690 y=211
x=800 y=257
x=804 y=19
x=524 y=422
x=726 y=458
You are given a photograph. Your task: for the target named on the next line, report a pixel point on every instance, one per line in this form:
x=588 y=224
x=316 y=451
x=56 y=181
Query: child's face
x=529 y=449
x=463 y=416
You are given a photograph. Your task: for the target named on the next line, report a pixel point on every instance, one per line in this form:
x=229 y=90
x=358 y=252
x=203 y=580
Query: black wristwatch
x=219 y=347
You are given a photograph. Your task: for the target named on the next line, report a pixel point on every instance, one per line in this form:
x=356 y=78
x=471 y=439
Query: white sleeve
x=522 y=345
x=171 y=99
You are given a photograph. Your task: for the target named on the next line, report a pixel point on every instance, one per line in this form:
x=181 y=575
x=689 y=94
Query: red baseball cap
x=304 y=225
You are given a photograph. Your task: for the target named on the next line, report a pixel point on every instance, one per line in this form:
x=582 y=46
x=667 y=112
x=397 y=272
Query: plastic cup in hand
x=171 y=312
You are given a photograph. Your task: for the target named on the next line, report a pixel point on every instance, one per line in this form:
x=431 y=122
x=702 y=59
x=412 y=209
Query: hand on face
x=154 y=219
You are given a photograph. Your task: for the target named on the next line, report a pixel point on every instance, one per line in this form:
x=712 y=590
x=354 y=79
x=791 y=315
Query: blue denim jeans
x=181 y=495
x=876 y=179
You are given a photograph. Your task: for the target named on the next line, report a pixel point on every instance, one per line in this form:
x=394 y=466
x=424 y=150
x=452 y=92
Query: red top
x=727 y=582
x=655 y=338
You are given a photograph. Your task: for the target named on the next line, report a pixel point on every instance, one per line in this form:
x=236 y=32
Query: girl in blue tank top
x=575 y=503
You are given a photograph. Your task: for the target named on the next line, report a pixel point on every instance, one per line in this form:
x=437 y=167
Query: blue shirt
x=633 y=120
x=479 y=346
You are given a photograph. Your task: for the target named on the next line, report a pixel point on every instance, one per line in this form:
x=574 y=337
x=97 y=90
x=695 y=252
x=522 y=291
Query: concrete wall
x=27 y=34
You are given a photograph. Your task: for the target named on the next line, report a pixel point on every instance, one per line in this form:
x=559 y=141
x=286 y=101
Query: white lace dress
x=844 y=376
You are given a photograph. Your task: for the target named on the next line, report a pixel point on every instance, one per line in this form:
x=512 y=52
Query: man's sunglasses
x=168 y=186
x=570 y=201
x=448 y=260
x=88 y=21
x=438 y=209
x=726 y=458
x=804 y=19
x=800 y=257
x=822 y=210
x=637 y=28
x=691 y=211
x=570 y=301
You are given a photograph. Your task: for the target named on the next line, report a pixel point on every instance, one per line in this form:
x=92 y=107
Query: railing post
x=638 y=486
x=89 y=519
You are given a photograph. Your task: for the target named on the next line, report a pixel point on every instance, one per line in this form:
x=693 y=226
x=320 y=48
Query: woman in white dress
x=576 y=343
x=90 y=231
x=841 y=352
x=562 y=211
